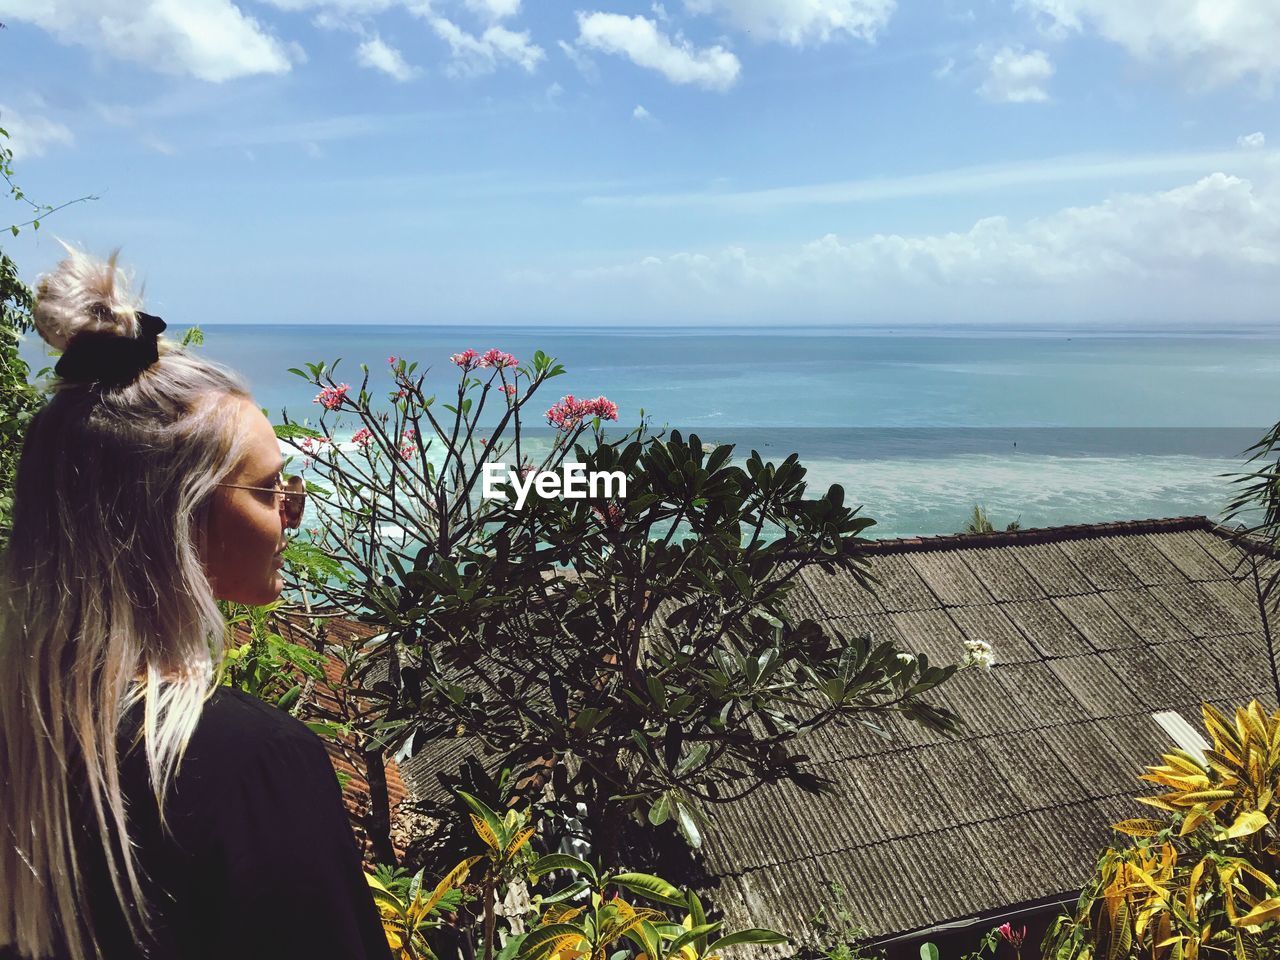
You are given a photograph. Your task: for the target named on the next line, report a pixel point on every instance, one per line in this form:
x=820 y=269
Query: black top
x=261 y=862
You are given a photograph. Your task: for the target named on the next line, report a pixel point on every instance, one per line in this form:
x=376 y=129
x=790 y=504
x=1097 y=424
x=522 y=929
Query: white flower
x=978 y=653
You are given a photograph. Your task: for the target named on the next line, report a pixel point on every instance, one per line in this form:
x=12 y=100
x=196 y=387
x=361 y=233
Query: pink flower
x=407 y=447
x=363 y=437
x=611 y=515
x=467 y=360
x=331 y=397
x=311 y=445
x=509 y=389
x=1013 y=937
x=391 y=359
x=496 y=358
x=570 y=411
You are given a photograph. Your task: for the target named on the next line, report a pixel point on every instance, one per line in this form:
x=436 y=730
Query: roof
x=1095 y=628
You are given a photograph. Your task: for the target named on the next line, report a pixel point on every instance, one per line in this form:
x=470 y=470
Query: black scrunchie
x=110 y=359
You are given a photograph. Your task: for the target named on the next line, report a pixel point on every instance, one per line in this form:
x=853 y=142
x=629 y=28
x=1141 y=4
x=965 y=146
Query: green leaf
x=928 y=951
x=295 y=431
x=660 y=810
x=482 y=810
x=562 y=861
x=651 y=887
x=757 y=935
x=542 y=939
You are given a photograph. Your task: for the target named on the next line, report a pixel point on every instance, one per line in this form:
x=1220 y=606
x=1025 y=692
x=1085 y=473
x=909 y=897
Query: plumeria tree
x=636 y=653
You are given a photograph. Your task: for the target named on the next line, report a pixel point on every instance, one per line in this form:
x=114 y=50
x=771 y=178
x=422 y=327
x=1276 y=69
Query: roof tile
x=1046 y=629
x=950 y=578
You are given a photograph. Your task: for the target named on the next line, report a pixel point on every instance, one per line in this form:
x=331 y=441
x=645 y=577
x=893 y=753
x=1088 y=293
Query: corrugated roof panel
x=837 y=593
x=971 y=787
x=1205 y=663
x=1154 y=683
x=900 y=587
x=1148 y=564
x=989 y=623
x=1188 y=556
x=1230 y=557
x=1002 y=574
x=1140 y=742
x=979 y=699
x=904 y=796
x=1197 y=609
x=1026 y=858
x=1088 y=753
x=1093 y=617
x=1148 y=617
x=1041 y=694
x=950 y=578
x=1031 y=769
x=1240 y=600
x=1245 y=655
x=1046 y=629
x=1092 y=682
x=1100 y=564
x=1052 y=569
x=932 y=633
x=880 y=627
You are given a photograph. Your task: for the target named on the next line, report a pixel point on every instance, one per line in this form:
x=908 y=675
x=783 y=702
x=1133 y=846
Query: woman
x=146 y=811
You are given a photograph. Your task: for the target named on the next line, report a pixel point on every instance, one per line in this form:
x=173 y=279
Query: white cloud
x=800 y=22
x=640 y=113
x=494 y=10
x=376 y=54
x=1218 y=41
x=640 y=40
x=476 y=55
x=209 y=39
x=1252 y=141
x=1187 y=251
x=960 y=181
x=586 y=66
x=943 y=70
x=1015 y=76
x=31 y=136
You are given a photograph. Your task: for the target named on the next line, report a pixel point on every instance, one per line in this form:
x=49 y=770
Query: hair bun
x=85 y=295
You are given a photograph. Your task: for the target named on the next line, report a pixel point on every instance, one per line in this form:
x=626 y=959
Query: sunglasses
x=292 y=491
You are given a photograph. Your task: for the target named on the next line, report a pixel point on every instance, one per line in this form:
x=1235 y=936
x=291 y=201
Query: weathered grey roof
x=1094 y=628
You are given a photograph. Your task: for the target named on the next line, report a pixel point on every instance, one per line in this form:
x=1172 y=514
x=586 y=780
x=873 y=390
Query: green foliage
x=1202 y=881
x=839 y=935
x=267 y=666
x=643 y=647
x=979 y=522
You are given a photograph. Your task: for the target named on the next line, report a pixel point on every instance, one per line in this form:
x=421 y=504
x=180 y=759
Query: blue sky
x=778 y=162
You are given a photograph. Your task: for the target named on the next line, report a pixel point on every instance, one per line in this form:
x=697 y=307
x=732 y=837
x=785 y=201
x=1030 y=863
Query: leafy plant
x=1200 y=882
x=267 y=665
x=641 y=648
x=979 y=522
x=408 y=911
x=597 y=927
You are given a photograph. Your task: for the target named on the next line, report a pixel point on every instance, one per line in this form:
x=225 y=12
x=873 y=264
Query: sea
x=1042 y=427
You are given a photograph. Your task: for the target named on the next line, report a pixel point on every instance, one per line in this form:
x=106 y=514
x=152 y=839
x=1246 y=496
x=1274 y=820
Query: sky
x=699 y=162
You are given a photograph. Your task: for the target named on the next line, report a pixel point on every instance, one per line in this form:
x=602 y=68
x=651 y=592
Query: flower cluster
x=312 y=445
x=1011 y=936
x=407 y=447
x=467 y=360
x=331 y=397
x=978 y=653
x=611 y=515
x=509 y=389
x=363 y=437
x=570 y=411
x=472 y=360
x=496 y=358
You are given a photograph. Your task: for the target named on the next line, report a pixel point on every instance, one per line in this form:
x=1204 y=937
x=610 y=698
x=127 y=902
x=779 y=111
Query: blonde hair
x=104 y=602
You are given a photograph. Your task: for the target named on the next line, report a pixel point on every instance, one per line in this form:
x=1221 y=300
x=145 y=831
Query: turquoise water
x=1049 y=427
